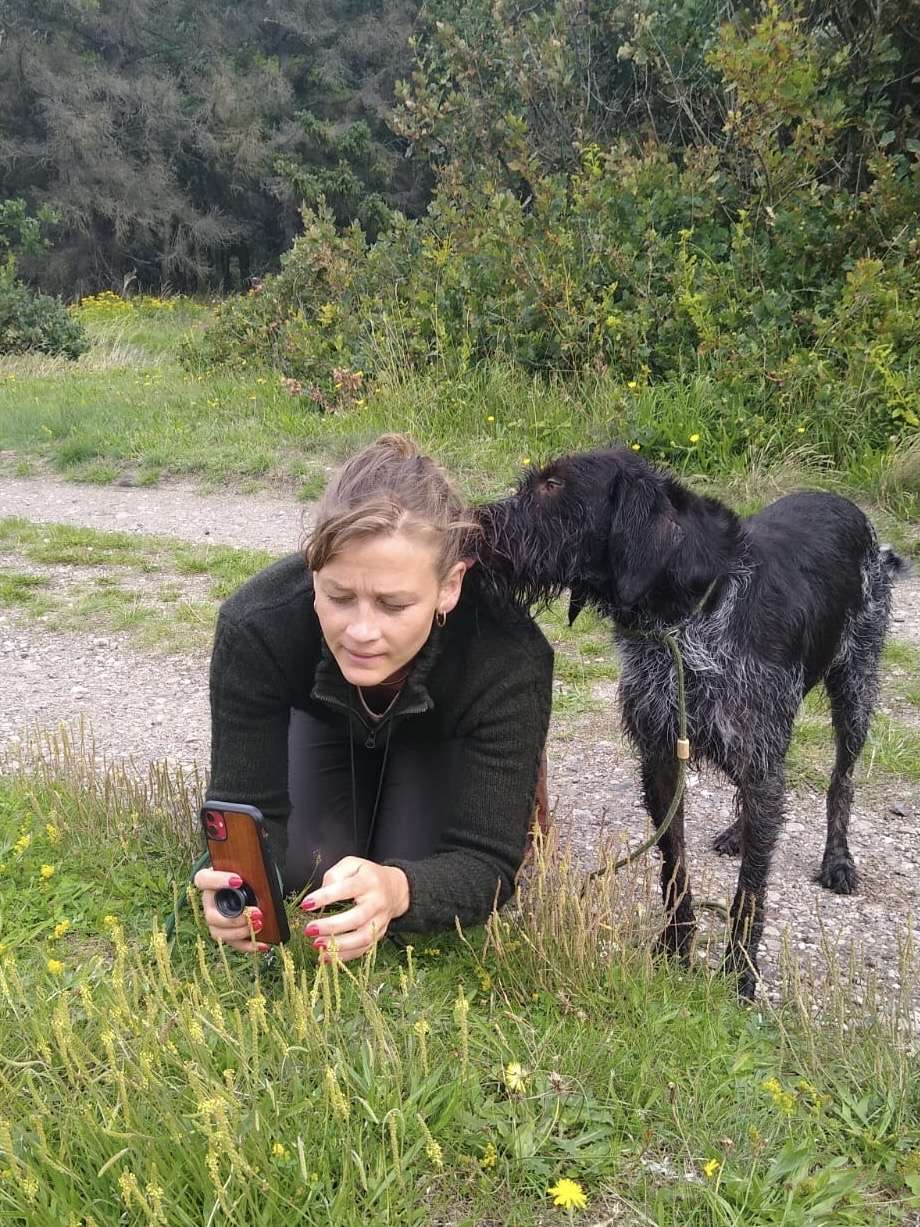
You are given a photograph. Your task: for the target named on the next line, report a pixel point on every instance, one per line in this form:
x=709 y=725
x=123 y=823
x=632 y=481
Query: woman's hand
x=232 y=931
x=380 y=892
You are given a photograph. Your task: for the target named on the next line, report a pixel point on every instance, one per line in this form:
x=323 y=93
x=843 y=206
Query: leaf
x=886 y=138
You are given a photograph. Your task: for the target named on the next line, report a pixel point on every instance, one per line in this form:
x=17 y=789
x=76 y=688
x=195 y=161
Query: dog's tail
x=892 y=562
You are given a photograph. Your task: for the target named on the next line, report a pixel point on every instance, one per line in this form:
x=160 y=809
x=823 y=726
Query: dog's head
x=608 y=526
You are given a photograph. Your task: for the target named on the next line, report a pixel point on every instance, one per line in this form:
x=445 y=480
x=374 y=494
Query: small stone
x=898 y=807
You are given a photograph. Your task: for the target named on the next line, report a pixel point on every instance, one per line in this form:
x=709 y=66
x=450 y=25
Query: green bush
x=33 y=321
x=747 y=258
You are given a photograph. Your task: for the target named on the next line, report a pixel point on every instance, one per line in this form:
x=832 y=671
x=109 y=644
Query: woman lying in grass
x=386 y=719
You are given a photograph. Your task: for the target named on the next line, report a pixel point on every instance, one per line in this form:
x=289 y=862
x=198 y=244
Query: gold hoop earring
x=441 y=618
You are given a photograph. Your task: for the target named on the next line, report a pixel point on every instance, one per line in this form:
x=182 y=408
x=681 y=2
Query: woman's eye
x=338 y=600
x=393 y=608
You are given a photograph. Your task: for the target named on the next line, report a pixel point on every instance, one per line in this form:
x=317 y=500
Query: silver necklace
x=377 y=715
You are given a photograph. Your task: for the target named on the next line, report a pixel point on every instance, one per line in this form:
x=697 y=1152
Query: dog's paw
x=743 y=971
x=676 y=942
x=840 y=876
x=728 y=842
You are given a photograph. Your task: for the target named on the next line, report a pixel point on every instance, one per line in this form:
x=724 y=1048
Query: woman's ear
x=449 y=593
x=644 y=536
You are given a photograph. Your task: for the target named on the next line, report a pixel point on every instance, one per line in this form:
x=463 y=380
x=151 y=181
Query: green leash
x=682 y=751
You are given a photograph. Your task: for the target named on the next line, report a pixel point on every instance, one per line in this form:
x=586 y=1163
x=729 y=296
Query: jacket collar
x=329 y=685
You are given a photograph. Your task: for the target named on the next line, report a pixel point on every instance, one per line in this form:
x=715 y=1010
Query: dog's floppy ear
x=644 y=535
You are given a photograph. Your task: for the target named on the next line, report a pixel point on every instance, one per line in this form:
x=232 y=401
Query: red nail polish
x=312 y=930
x=307 y=905
x=263 y=948
x=256 y=926
x=236 y=881
x=256 y=916
x=320 y=943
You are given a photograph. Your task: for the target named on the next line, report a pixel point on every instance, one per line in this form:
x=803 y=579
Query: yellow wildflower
x=109 y=920
x=526 y=460
x=711 y=1167
x=21 y=844
x=515 y=1077
x=569 y=1194
x=800 y=430
x=488 y=1155
x=55 y=967
x=632 y=385
x=279 y=1150
x=47 y=871
x=694 y=438
x=52 y=832
x=490 y=418
x=636 y=446
x=60 y=928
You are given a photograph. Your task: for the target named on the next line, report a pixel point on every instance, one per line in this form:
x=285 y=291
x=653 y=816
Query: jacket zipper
x=371 y=740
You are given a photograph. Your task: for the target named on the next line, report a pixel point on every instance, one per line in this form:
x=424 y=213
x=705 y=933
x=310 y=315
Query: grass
x=455 y=1083
x=126 y=407
x=892 y=748
x=163 y=618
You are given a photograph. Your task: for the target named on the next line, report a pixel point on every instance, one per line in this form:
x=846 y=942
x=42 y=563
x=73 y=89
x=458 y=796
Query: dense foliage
x=658 y=195
x=30 y=320
x=176 y=140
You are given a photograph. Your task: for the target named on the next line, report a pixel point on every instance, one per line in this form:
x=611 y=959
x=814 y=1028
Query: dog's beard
x=529 y=558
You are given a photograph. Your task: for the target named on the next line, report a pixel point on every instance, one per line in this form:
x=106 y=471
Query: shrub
x=745 y=257
x=33 y=321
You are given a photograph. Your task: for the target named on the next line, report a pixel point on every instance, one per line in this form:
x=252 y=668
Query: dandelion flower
x=55 y=967
x=711 y=1166
x=694 y=438
x=569 y=1194
x=47 y=871
x=515 y=1077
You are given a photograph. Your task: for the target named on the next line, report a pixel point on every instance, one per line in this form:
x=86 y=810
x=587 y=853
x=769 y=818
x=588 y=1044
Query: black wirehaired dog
x=763 y=609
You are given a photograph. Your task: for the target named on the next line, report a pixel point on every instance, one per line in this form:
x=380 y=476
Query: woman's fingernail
x=311 y=930
x=263 y=948
x=320 y=943
x=307 y=905
x=236 y=881
x=256 y=926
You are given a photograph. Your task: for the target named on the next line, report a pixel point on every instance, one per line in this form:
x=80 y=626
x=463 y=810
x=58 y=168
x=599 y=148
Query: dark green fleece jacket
x=484 y=682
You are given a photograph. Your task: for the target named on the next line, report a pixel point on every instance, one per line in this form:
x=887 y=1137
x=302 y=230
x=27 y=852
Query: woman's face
x=376 y=601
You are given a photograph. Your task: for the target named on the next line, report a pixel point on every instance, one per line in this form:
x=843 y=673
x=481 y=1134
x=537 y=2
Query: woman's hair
x=385 y=488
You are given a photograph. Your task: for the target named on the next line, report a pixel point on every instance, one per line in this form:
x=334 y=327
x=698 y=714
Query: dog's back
x=815 y=566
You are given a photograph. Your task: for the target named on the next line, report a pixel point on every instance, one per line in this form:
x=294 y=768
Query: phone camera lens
x=230 y=902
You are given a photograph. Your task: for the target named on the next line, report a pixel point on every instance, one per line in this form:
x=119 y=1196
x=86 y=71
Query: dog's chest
x=730 y=698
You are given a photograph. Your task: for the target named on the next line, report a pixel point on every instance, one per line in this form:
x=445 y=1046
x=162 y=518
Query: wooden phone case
x=245 y=852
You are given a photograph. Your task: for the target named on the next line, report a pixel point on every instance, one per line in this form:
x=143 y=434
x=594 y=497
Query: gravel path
x=147 y=707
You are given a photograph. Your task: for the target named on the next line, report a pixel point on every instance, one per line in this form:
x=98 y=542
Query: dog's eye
x=553 y=483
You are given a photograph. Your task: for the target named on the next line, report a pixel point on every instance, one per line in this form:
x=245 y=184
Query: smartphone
x=238 y=843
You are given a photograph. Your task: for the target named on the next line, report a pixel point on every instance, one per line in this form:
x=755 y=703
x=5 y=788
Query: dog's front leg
x=761 y=803
x=659 y=782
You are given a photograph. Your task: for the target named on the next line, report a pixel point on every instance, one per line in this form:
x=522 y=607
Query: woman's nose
x=362 y=630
